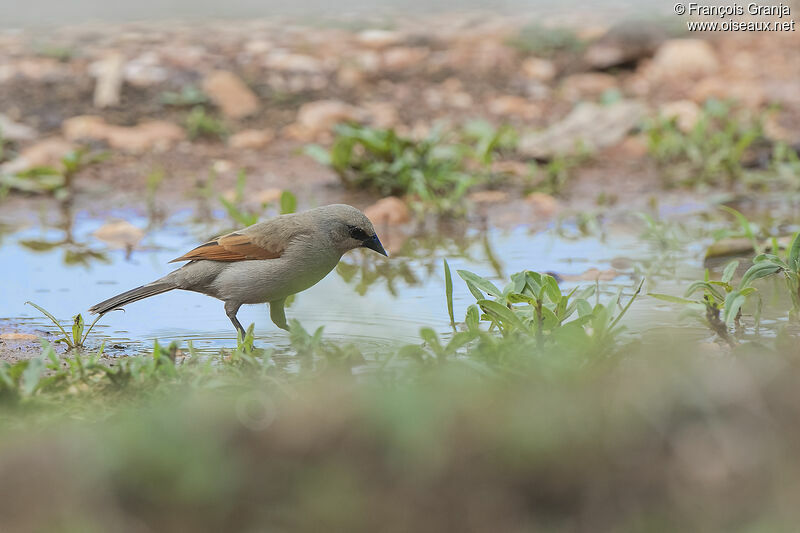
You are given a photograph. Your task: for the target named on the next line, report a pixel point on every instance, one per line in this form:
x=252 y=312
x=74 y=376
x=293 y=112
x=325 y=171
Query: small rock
x=18 y=337
x=378 y=39
x=145 y=70
x=268 y=196
x=155 y=135
x=684 y=58
x=587 y=85
x=230 y=94
x=751 y=94
x=515 y=168
x=251 y=139
x=633 y=147
x=593 y=274
x=625 y=43
x=382 y=114
x=38 y=68
x=685 y=112
x=286 y=62
x=588 y=127
x=222 y=166
x=109 y=73
x=403 y=58
x=349 y=76
x=185 y=57
x=729 y=247
x=368 y=61
x=449 y=93
x=127 y=139
x=14 y=131
x=545 y=205
x=513 y=106
x=119 y=234
x=539 y=69
x=388 y=211
x=46 y=153
x=90 y=127
x=488 y=197
x=257 y=46
x=315 y=118
x=483 y=57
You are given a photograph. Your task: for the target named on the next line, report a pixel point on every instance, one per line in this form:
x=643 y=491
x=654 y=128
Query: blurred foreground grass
x=671 y=439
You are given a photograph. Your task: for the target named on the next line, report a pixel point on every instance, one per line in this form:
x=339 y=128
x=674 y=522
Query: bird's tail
x=133 y=295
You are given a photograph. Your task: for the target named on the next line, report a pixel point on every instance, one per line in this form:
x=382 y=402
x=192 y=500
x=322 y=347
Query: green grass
x=435 y=173
x=188 y=96
x=56 y=180
x=199 y=124
x=551 y=177
x=711 y=153
x=545 y=41
x=78 y=336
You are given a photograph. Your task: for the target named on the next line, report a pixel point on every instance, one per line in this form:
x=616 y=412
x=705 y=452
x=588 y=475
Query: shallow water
x=55 y=261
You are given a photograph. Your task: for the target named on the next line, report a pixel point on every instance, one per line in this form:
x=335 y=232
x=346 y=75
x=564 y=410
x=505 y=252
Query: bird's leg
x=277 y=314
x=231 y=309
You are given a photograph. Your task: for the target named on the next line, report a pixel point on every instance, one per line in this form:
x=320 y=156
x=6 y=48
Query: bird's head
x=350 y=228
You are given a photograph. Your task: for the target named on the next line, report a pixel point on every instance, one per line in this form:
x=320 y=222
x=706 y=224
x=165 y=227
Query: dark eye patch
x=358 y=233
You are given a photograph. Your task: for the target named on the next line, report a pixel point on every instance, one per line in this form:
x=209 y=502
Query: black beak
x=374 y=243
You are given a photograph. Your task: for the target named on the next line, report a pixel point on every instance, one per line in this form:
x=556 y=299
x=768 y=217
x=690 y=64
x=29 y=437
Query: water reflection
x=75 y=251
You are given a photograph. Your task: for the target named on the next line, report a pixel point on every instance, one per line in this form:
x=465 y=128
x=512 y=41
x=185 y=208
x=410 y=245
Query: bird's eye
x=358 y=233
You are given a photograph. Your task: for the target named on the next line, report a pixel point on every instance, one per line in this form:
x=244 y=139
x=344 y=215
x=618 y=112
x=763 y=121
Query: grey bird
x=265 y=262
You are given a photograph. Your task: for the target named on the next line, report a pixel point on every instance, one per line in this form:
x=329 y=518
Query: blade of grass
x=448 y=285
x=52 y=319
x=627 y=306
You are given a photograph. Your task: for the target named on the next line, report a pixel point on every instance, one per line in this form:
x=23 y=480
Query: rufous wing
x=230 y=247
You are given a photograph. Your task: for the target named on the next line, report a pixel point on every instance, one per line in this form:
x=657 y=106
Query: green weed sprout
x=78 y=337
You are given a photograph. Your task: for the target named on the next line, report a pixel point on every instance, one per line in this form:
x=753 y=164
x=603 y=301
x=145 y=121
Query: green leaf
x=517 y=298
x=288 y=202
x=758 y=271
x=627 y=306
x=549 y=319
x=431 y=339
x=745 y=225
x=502 y=314
x=318 y=154
x=77 y=330
x=412 y=351
x=31 y=376
x=52 y=319
x=551 y=288
x=730 y=270
x=733 y=303
x=5 y=379
x=473 y=318
x=584 y=308
x=458 y=340
x=448 y=289
x=483 y=284
x=670 y=298
x=794 y=253
x=707 y=287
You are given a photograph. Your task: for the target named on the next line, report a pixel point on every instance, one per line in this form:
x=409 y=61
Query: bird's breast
x=260 y=281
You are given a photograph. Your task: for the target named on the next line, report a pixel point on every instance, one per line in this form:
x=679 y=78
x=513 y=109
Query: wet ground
x=52 y=255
